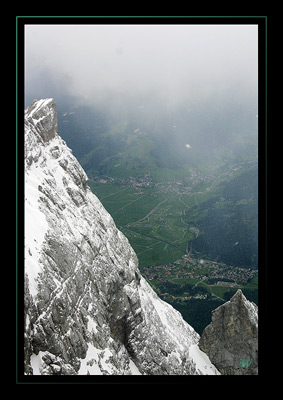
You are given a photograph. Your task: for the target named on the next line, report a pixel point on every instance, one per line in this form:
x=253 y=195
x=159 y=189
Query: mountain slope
x=87 y=308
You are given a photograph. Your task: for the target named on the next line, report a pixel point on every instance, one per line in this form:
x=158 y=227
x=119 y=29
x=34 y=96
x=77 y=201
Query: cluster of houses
x=218 y=270
x=130 y=181
x=167 y=296
x=180 y=186
x=188 y=267
x=236 y=274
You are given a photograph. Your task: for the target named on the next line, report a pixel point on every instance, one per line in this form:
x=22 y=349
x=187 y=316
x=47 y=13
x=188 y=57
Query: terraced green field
x=151 y=220
x=215 y=218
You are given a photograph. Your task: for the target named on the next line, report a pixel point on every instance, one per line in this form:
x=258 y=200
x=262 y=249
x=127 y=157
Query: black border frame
x=21 y=21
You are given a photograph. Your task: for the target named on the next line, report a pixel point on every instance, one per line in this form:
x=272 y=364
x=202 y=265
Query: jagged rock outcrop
x=231 y=339
x=87 y=308
x=42 y=114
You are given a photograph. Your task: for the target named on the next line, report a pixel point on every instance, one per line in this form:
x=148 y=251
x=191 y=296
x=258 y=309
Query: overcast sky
x=129 y=59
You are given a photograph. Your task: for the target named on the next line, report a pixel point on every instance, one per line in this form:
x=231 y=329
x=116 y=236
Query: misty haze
x=164 y=120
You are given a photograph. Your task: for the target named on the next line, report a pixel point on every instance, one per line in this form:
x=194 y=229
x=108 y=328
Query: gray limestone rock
x=42 y=114
x=88 y=310
x=231 y=339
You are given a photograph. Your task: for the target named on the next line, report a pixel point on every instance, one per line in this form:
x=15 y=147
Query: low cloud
x=173 y=61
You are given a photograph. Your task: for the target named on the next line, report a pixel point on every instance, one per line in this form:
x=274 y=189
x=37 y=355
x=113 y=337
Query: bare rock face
x=42 y=114
x=87 y=309
x=231 y=339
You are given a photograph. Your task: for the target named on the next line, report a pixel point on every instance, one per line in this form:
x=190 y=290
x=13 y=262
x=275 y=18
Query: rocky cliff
x=231 y=339
x=87 y=308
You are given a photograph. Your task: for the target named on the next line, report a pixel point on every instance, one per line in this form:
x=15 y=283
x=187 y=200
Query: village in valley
x=162 y=218
x=179 y=186
x=194 y=274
